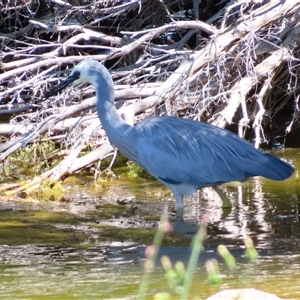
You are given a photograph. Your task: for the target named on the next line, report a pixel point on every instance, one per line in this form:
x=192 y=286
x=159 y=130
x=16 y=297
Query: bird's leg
x=180 y=205
x=225 y=200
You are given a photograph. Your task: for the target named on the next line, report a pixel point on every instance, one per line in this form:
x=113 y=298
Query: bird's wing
x=177 y=150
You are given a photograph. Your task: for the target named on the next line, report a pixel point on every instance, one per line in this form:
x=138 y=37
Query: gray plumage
x=185 y=155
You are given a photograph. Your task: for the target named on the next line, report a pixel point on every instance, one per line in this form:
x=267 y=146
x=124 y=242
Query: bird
x=184 y=154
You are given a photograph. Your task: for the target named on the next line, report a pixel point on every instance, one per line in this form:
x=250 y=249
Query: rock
x=243 y=294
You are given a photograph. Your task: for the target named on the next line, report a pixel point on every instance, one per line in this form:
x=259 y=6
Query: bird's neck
x=116 y=128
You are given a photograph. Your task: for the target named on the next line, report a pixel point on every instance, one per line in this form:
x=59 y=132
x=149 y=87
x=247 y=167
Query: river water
x=64 y=250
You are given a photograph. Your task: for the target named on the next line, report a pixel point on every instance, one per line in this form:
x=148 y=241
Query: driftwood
x=163 y=59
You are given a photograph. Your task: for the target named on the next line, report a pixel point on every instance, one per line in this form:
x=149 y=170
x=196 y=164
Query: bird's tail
x=275 y=168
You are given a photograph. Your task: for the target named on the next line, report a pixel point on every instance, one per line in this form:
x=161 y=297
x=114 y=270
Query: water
x=52 y=250
x=81 y=277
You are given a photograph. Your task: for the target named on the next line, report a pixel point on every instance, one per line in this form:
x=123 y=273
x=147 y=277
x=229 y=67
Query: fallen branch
x=172 y=64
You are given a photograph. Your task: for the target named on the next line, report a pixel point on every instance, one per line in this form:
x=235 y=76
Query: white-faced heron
x=183 y=154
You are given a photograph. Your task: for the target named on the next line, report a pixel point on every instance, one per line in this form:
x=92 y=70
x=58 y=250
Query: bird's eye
x=76 y=74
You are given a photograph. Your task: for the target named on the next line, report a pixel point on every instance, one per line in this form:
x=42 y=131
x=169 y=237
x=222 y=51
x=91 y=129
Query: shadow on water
x=92 y=247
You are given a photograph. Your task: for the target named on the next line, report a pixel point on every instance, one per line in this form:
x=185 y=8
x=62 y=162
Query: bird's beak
x=69 y=80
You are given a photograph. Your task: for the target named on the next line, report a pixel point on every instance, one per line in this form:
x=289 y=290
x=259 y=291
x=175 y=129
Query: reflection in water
x=261 y=209
x=267 y=211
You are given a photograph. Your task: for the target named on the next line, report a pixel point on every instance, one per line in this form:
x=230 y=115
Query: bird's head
x=85 y=71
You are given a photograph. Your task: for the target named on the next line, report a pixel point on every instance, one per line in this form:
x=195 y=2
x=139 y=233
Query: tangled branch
x=163 y=59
